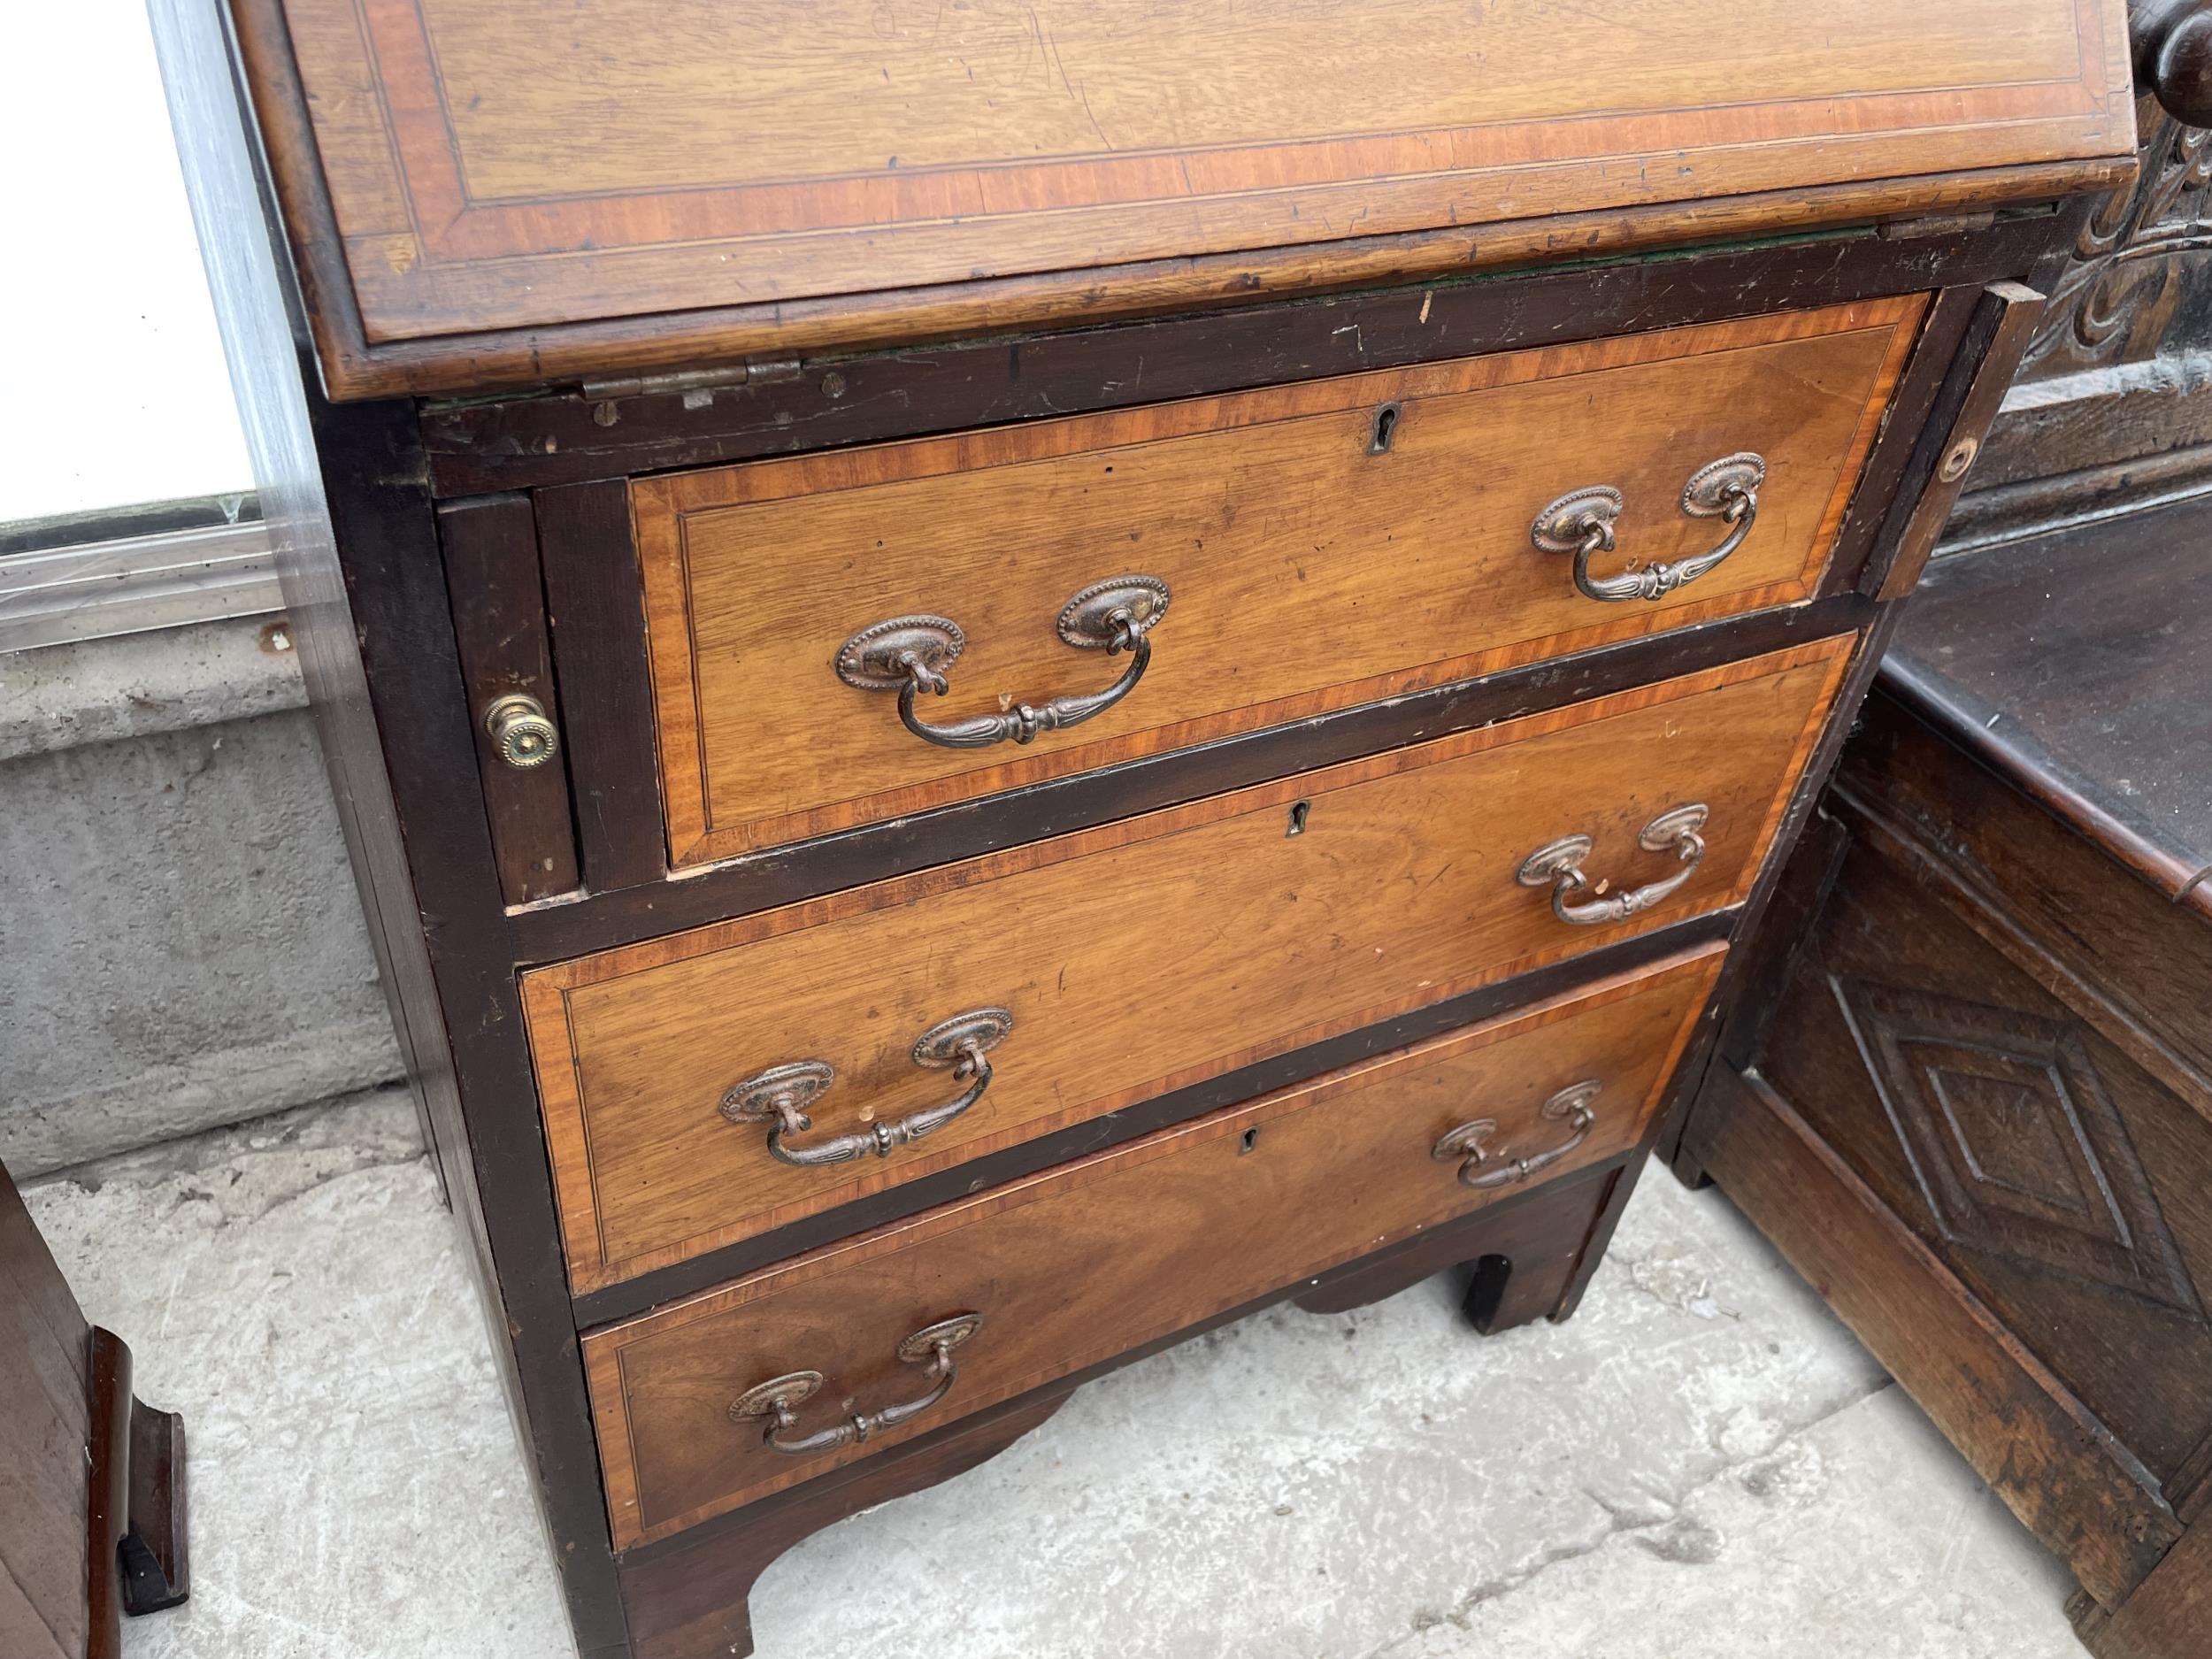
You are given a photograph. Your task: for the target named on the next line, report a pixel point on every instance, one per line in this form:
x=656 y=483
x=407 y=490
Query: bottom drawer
x=1074 y=1266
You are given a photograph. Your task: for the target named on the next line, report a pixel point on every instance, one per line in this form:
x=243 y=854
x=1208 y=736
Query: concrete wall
x=180 y=944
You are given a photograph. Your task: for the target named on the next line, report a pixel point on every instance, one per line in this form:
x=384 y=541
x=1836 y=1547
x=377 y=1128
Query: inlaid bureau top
x=784 y=171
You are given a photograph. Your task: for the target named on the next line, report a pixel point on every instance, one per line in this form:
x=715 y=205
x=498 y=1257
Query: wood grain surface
x=2171 y=1610
x=2065 y=1183
x=1308 y=573
x=2094 y=932
x=535 y=164
x=2055 y=1467
x=1073 y=1265
x=687 y=1595
x=2074 y=665
x=44 y=1428
x=1137 y=957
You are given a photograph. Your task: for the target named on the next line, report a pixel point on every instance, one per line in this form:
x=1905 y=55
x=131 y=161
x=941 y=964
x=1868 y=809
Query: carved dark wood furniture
x=1004 y=691
x=1968 y=1089
x=93 y=1527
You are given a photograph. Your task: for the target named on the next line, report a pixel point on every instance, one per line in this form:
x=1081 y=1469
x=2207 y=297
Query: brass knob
x=522 y=733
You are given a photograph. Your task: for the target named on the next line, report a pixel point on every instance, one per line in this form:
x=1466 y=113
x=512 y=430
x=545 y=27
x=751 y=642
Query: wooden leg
x=1502 y=1292
x=1554 y=1219
x=1530 y=1267
x=135 y=1558
x=156 y=1572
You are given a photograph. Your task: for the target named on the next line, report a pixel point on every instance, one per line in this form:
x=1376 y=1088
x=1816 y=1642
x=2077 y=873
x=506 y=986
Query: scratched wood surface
x=1083 y=1262
x=1308 y=573
x=44 y=1428
x=544 y=163
x=1138 y=958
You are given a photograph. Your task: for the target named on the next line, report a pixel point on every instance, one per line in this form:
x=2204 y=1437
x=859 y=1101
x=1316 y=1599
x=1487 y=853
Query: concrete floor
x=1701 y=1462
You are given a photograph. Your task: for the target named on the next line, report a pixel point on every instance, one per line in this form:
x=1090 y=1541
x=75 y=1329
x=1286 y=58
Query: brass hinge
x=1935 y=224
x=752 y=371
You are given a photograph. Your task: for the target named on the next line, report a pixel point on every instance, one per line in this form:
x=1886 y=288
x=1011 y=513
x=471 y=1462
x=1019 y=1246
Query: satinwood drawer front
x=693 y=1085
x=1244 y=560
x=1072 y=1266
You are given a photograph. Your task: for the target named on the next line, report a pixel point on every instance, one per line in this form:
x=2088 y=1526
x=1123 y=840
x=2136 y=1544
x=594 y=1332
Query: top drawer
x=1318 y=545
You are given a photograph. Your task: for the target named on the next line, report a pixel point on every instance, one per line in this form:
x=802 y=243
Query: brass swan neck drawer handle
x=909 y=655
x=778 y=1399
x=1480 y=1167
x=780 y=1095
x=1581 y=522
x=1558 y=866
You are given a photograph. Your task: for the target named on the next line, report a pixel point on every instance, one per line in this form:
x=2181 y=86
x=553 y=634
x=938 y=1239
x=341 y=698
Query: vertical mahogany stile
x=491 y=561
x=431 y=817
x=593 y=604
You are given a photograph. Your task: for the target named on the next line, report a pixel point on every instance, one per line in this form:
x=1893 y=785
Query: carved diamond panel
x=2013 y=1138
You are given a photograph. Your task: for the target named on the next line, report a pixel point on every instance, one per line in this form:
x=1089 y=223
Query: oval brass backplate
x=1717 y=483
x=947 y=1042
x=1087 y=623
x=869 y=661
x=1552 y=860
x=801 y=1083
x=948 y=1333
x=1561 y=526
x=1663 y=833
x=762 y=1399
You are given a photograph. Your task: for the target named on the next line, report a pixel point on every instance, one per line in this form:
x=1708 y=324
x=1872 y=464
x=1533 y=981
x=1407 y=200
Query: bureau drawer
x=1318 y=545
x=1085 y=1262
x=1131 y=960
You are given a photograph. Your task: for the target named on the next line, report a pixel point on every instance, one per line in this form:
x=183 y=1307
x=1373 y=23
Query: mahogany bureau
x=1011 y=680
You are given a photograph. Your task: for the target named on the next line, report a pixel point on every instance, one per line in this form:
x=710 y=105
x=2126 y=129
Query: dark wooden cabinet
x=931 y=672
x=1968 y=1086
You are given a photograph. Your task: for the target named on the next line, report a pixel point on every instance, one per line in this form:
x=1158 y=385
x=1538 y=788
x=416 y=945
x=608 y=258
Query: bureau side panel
x=346 y=491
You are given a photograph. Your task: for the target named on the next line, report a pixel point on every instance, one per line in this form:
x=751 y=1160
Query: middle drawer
x=679 y=1076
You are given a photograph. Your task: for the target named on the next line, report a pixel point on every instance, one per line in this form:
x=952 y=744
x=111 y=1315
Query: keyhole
x=1245 y=1142
x=1386 y=428
x=1298 y=817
